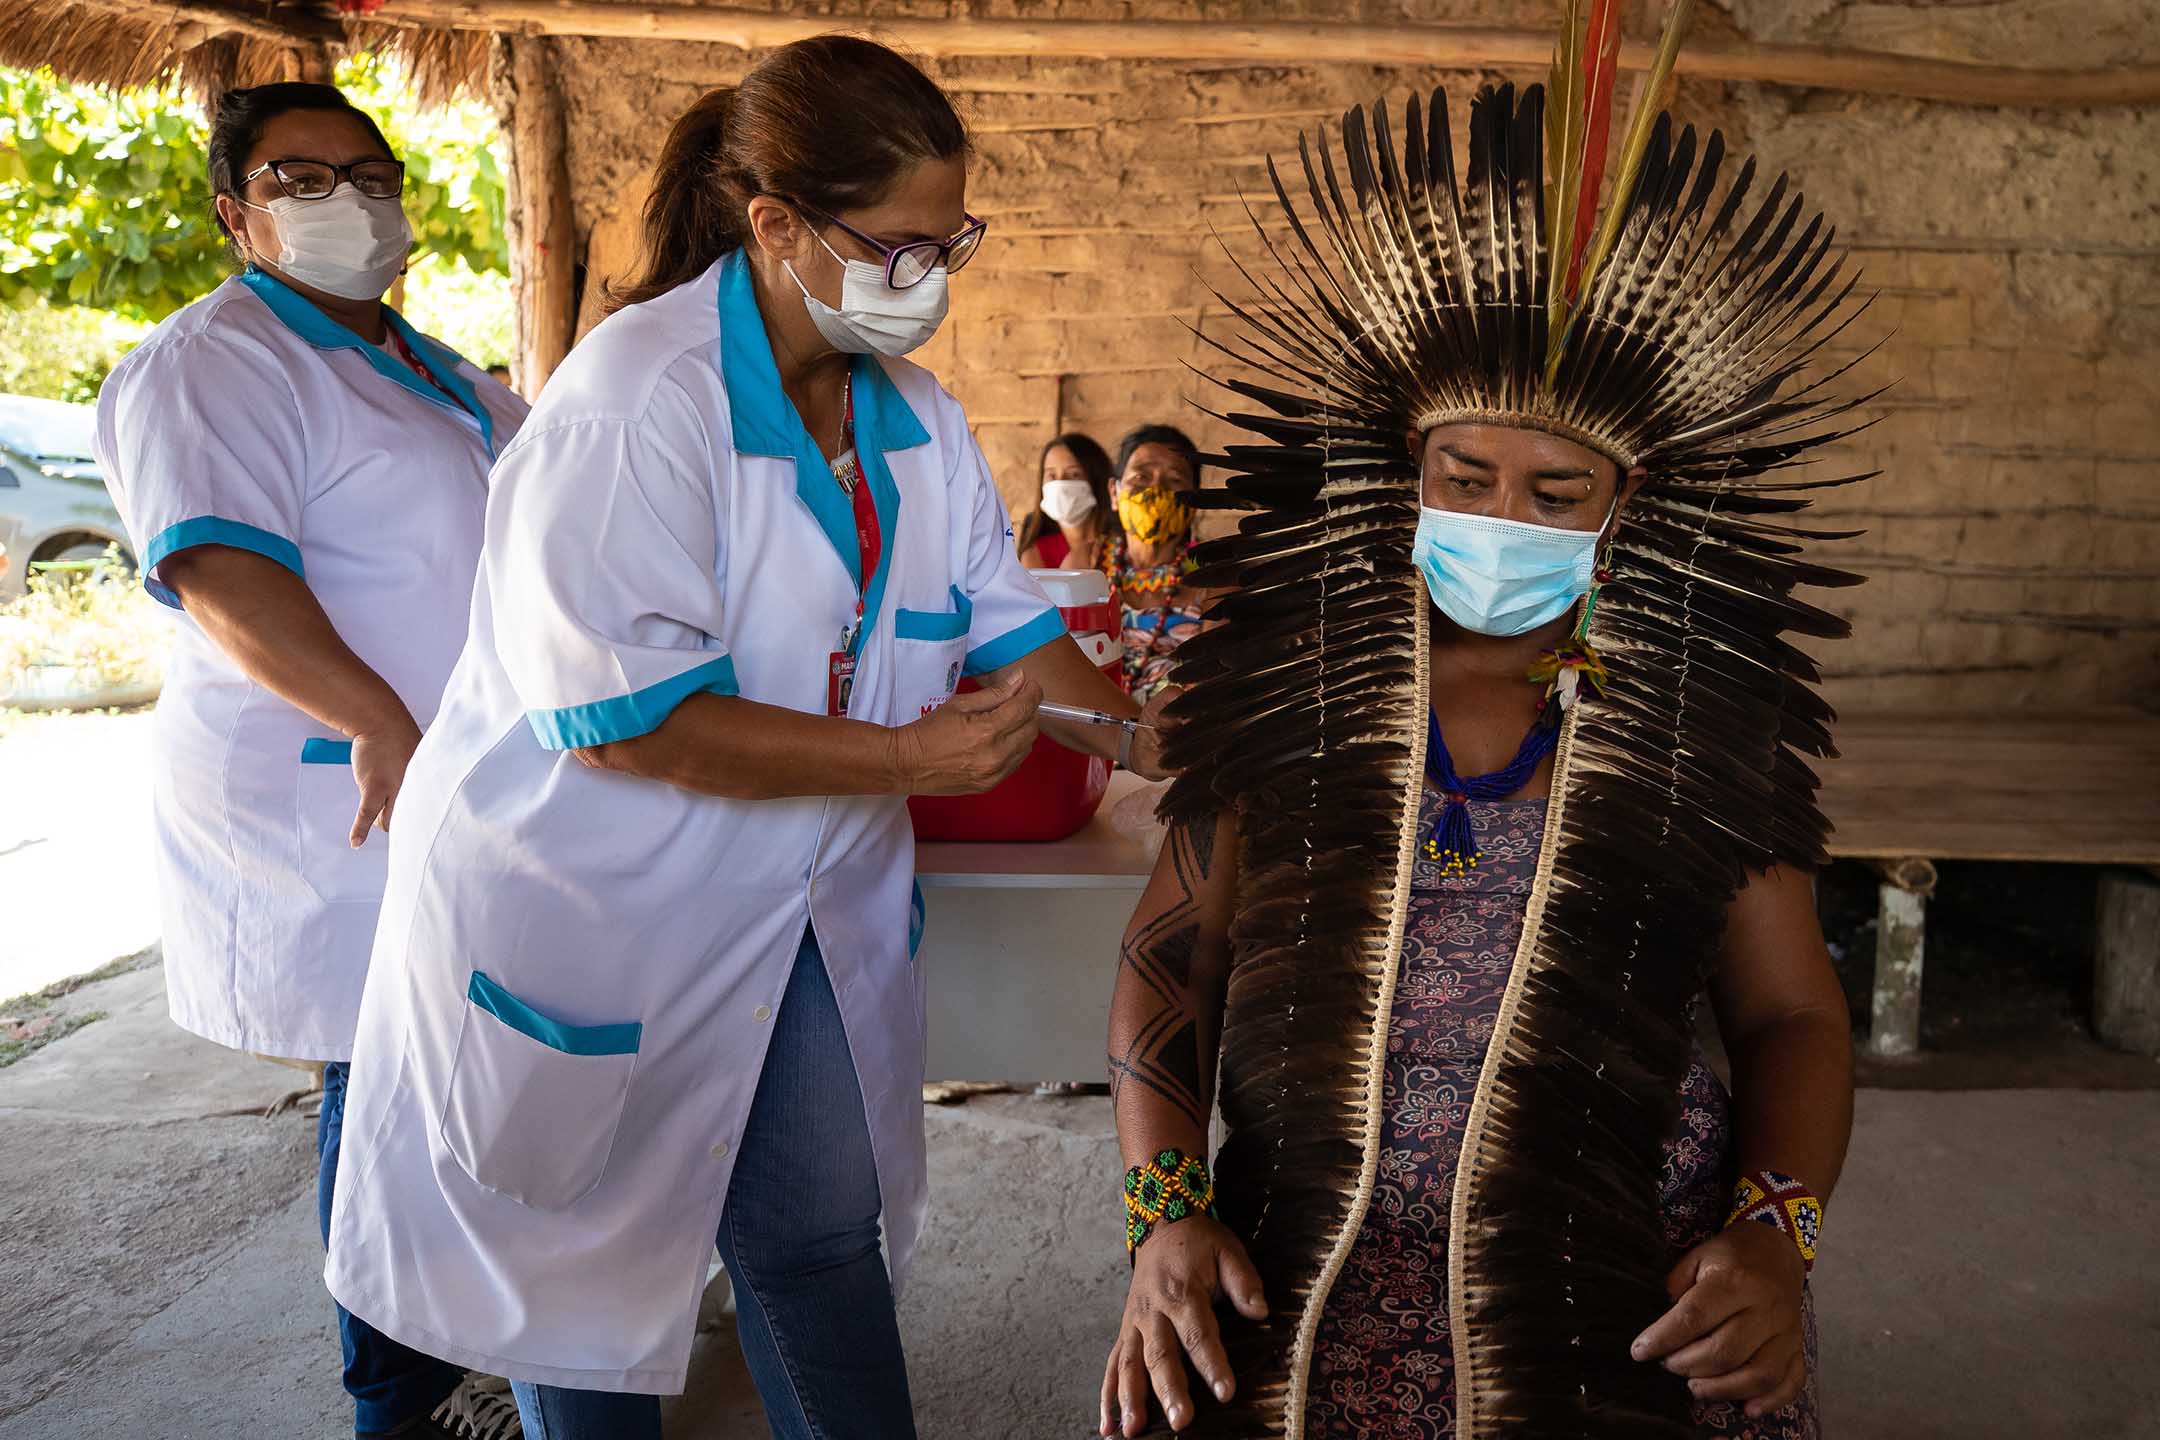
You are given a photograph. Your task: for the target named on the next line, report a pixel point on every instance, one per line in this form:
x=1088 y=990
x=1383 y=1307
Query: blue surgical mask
x=1502 y=577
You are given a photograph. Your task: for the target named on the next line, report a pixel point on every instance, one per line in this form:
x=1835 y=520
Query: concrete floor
x=1991 y=1268
x=75 y=844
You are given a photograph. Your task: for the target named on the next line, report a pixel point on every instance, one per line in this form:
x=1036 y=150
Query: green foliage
x=62 y=352
x=470 y=312
x=105 y=198
x=453 y=178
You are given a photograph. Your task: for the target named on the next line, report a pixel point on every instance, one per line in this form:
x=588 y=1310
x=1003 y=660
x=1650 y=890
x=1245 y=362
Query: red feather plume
x=1601 y=68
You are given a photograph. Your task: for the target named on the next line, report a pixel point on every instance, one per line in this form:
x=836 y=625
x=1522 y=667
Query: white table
x=1021 y=948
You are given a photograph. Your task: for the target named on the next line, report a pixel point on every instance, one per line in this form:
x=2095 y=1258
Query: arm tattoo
x=1165 y=1052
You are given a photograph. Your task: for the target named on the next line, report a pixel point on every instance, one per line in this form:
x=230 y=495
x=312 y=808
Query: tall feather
x=1600 y=69
x=1563 y=160
x=1657 y=82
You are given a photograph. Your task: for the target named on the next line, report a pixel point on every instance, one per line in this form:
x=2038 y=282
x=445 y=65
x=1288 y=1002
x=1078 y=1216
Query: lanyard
x=426 y=374
x=869 y=536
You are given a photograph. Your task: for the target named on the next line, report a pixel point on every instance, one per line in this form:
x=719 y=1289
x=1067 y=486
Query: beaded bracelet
x=1784 y=1204
x=1171 y=1187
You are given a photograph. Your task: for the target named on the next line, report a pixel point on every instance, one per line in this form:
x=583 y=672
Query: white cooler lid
x=1070 y=589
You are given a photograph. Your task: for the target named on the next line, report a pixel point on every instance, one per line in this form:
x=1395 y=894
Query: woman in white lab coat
x=305 y=478
x=646 y=971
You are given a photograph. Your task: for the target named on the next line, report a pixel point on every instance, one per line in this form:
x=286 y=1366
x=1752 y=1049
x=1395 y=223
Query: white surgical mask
x=872 y=315
x=345 y=244
x=1068 y=501
x=1502 y=577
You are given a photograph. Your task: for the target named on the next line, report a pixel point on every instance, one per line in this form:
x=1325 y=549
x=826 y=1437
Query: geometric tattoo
x=1165 y=1053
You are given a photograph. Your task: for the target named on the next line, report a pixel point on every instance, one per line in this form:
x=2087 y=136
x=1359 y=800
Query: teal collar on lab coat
x=766 y=424
x=300 y=316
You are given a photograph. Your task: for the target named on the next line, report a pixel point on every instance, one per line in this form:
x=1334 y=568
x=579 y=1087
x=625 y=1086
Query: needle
x=1080 y=715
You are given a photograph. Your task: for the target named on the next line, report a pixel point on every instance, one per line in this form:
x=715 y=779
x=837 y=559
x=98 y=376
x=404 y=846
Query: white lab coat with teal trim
x=252 y=419
x=577 y=970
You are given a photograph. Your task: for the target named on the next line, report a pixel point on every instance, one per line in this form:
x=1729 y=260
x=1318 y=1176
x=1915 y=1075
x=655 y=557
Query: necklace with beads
x=1453 y=841
x=1143 y=580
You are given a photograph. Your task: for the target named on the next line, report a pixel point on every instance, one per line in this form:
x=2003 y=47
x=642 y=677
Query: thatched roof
x=213 y=45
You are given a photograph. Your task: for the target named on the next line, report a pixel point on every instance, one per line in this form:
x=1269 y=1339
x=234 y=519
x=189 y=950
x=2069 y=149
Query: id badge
x=839 y=682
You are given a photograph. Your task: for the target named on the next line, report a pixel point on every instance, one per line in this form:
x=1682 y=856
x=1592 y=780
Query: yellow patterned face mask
x=1155 y=515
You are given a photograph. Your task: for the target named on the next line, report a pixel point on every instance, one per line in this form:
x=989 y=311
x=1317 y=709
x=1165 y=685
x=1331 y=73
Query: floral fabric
x=1384 y=1366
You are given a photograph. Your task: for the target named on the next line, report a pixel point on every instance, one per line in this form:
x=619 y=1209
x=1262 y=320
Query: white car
x=53 y=504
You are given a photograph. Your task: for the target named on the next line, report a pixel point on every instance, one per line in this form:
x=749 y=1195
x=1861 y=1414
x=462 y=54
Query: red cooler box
x=1055 y=790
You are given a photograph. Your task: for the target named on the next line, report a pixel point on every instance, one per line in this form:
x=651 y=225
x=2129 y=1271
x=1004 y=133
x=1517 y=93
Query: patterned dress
x=1384 y=1365
x=1151 y=636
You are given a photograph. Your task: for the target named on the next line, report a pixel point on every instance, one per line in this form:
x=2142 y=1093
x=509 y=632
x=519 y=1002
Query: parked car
x=53 y=504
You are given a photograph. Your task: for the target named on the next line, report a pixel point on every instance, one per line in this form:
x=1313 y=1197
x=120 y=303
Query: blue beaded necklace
x=1454 y=842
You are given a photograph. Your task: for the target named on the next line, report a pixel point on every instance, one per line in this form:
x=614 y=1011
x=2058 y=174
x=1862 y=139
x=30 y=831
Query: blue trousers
x=799 y=1236
x=389 y=1384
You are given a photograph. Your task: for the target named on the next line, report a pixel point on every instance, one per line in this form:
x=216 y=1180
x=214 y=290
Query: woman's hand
x=1735 y=1329
x=972 y=741
x=379 y=757
x=1170 y=1314
x=1147 y=744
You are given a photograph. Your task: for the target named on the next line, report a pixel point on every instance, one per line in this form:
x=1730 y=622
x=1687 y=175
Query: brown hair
x=829 y=123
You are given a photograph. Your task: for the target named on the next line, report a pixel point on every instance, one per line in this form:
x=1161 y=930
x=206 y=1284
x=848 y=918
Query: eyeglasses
x=906 y=265
x=315 y=179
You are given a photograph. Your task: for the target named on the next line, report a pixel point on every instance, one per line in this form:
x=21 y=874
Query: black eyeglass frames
x=315 y=179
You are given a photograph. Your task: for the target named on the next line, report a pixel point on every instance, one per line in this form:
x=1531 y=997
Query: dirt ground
x=1988 y=1265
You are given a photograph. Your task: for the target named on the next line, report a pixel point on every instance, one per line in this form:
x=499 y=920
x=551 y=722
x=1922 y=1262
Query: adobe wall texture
x=2013 y=540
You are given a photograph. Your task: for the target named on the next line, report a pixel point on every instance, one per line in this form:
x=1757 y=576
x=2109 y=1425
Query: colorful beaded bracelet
x=1782 y=1203
x=1171 y=1187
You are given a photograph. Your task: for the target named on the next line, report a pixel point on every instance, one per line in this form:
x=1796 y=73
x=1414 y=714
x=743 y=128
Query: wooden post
x=2126 y=962
x=543 y=242
x=1900 y=950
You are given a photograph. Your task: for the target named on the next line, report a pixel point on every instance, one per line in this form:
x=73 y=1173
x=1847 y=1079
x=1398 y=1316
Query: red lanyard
x=869 y=538
x=425 y=373
x=870 y=543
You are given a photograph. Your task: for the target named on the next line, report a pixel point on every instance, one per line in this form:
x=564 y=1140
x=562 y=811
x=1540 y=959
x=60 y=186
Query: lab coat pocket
x=929 y=653
x=326 y=799
x=533 y=1102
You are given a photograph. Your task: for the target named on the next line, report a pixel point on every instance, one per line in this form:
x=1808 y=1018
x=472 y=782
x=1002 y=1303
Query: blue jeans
x=799 y=1236
x=389 y=1383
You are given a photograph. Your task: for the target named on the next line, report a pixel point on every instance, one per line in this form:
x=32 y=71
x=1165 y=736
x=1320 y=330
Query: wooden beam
x=284 y=24
x=1299 y=43
x=543 y=240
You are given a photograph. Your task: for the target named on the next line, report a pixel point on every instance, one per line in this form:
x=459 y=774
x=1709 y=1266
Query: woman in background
x=305 y=477
x=1149 y=555
x=1072 y=509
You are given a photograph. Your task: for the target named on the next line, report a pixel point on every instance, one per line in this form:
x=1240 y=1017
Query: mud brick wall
x=2013 y=539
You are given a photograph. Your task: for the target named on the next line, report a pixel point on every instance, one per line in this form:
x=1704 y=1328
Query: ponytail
x=830 y=122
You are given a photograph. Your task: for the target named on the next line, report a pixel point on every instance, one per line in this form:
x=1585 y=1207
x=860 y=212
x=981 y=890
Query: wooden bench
x=1022 y=939
x=1914 y=787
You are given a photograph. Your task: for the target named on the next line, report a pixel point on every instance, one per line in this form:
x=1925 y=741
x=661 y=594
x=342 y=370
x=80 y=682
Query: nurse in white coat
x=305 y=478
x=645 y=974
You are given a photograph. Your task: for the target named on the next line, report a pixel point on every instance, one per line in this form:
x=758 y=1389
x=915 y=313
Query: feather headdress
x=1674 y=329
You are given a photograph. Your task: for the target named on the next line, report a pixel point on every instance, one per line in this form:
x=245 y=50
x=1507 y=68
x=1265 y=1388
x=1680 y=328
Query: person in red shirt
x=1072 y=512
